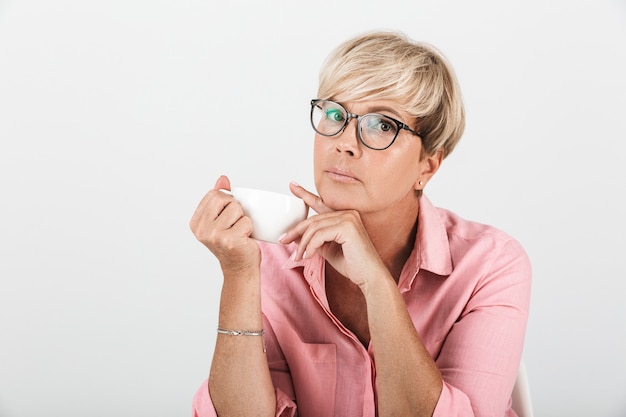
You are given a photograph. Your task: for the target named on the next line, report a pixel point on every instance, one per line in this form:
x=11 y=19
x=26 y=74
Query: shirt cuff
x=285 y=407
x=203 y=406
x=453 y=402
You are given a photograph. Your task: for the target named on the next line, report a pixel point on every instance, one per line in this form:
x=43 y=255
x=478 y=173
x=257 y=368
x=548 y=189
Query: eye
x=334 y=114
x=384 y=126
x=381 y=124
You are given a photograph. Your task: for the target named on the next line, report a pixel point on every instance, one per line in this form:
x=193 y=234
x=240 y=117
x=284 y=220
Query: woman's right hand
x=220 y=224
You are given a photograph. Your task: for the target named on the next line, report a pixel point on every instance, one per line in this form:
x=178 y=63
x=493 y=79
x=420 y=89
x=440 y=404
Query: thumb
x=222 y=183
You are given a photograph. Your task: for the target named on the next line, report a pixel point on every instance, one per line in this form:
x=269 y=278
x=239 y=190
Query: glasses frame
x=358 y=118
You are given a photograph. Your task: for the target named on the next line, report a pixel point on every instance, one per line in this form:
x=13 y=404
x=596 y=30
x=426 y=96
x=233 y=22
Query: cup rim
x=264 y=191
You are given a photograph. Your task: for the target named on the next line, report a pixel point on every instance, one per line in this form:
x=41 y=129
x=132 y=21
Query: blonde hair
x=390 y=66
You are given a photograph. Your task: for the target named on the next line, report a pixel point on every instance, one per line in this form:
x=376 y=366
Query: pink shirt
x=467 y=289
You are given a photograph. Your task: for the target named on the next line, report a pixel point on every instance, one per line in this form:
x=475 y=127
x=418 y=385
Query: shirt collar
x=431 y=251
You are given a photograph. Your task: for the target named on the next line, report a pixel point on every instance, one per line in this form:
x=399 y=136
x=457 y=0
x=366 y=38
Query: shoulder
x=481 y=242
x=445 y=227
x=489 y=248
x=460 y=228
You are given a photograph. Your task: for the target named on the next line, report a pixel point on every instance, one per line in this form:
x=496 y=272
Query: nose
x=348 y=140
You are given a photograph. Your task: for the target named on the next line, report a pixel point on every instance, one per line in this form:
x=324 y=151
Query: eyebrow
x=378 y=109
x=386 y=110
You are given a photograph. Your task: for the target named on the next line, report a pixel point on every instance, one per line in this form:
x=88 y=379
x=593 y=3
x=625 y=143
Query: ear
x=427 y=168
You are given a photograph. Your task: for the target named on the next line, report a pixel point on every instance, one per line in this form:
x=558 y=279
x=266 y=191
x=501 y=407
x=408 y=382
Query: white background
x=116 y=117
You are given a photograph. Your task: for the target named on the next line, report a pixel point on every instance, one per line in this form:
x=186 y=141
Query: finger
x=222 y=183
x=313 y=201
x=229 y=215
x=209 y=208
x=242 y=227
x=315 y=233
x=205 y=204
x=320 y=242
x=229 y=224
x=296 y=233
x=232 y=222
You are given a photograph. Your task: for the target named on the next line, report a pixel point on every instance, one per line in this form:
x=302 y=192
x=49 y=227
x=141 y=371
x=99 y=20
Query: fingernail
x=295 y=183
x=281 y=237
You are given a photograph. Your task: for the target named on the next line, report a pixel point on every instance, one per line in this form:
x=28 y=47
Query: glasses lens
x=378 y=131
x=327 y=117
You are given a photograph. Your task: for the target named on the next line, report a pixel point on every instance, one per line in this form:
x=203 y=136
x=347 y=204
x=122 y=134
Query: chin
x=338 y=196
x=339 y=201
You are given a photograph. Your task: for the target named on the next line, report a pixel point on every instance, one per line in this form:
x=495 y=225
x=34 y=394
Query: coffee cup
x=272 y=213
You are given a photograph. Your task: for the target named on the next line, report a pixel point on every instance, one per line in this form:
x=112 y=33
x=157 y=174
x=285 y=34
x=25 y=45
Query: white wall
x=116 y=117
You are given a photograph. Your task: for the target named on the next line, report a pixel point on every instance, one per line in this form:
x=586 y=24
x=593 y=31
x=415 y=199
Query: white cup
x=272 y=214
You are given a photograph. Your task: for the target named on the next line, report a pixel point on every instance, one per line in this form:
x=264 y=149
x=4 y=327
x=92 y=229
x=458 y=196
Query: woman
x=380 y=304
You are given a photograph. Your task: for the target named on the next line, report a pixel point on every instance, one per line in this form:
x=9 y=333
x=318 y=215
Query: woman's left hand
x=339 y=237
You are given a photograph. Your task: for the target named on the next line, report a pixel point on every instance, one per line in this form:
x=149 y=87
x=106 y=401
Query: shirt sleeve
x=480 y=357
x=203 y=406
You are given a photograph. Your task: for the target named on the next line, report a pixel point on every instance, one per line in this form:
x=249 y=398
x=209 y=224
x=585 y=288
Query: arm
x=407 y=380
x=480 y=357
x=240 y=382
x=285 y=407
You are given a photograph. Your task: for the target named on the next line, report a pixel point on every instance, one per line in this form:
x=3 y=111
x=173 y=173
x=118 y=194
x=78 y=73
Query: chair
x=521 y=401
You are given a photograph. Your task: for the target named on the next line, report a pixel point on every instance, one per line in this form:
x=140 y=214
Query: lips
x=341 y=174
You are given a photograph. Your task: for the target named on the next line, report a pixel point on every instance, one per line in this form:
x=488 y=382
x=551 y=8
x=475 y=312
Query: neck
x=393 y=235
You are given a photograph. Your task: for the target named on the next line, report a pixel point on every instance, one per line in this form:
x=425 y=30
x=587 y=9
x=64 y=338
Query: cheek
x=322 y=147
x=317 y=151
x=405 y=169
x=318 y=156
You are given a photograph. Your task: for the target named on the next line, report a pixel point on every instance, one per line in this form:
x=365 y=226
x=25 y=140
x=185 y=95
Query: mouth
x=341 y=175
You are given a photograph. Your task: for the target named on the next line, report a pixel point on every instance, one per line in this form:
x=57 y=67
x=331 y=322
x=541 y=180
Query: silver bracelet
x=241 y=332
x=244 y=333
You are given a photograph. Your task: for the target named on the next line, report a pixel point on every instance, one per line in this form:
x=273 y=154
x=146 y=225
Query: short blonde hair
x=390 y=66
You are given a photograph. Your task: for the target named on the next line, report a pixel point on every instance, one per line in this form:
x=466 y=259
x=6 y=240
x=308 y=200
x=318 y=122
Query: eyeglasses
x=376 y=131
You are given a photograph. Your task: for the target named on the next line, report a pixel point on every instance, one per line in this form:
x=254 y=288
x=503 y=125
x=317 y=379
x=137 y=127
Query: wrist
x=240 y=304
x=378 y=286
x=242 y=259
x=241 y=268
